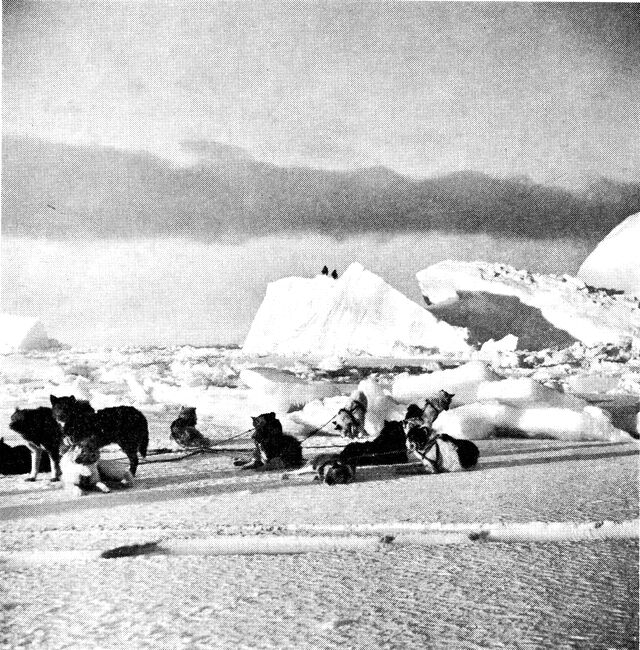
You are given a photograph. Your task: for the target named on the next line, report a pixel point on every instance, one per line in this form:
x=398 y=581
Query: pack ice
x=21 y=334
x=615 y=262
x=359 y=313
x=495 y=300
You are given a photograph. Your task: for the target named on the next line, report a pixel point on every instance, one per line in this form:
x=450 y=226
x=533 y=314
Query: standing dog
x=41 y=433
x=17 y=460
x=123 y=425
x=273 y=448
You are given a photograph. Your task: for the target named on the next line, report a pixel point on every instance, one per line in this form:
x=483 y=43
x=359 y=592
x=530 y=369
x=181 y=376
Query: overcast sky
x=551 y=91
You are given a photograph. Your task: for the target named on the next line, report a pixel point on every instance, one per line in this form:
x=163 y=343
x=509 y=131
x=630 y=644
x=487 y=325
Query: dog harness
x=422 y=453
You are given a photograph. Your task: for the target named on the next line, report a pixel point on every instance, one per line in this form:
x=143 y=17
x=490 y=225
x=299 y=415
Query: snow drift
x=21 y=334
x=494 y=300
x=357 y=314
x=615 y=262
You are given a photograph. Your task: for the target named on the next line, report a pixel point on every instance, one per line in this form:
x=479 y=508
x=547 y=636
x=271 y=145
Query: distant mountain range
x=62 y=191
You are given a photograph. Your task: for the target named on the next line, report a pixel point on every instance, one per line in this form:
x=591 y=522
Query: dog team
x=72 y=433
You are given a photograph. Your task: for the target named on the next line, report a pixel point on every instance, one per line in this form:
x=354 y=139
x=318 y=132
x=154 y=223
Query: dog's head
x=335 y=472
x=84 y=452
x=63 y=408
x=442 y=400
x=416 y=439
x=349 y=422
x=266 y=426
x=413 y=418
x=188 y=414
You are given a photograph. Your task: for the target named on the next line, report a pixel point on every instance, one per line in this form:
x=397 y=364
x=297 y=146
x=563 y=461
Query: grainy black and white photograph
x=319 y=325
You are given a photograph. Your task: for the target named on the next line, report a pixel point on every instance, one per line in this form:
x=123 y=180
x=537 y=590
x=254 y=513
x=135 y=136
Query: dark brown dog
x=123 y=425
x=273 y=448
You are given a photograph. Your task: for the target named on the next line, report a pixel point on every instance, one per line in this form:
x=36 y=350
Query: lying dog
x=17 y=460
x=388 y=448
x=123 y=425
x=273 y=448
x=184 y=432
x=350 y=420
x=83 y=469
x=441 y=453
x=41 y=432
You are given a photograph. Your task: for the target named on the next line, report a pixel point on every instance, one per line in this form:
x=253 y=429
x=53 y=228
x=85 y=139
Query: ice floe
x=495 y=300
x=463 y=382
x=481 y=421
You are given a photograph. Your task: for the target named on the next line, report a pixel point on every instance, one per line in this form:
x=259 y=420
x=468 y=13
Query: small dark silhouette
x=334 y=274
x=325 y=270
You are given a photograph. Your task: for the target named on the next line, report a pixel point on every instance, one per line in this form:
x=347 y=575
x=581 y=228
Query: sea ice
x=357 y=314
x=381 y=407
x=281 y=390
x=494 y=300
x=521 y=392
x=482 y=421
x=463 y=382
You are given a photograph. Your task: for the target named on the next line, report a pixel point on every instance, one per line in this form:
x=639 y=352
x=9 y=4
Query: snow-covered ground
x=472 y=596
x=557 y=431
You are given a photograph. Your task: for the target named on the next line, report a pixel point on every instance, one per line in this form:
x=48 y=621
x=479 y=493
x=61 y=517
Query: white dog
x=83 y=469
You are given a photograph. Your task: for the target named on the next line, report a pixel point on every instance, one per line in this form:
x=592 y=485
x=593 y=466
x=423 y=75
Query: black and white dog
x=388 y=448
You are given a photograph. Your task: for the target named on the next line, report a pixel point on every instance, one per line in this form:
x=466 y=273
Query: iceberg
x=615 y=261
x=359 y=313
x=21 y=334
x=543 y=311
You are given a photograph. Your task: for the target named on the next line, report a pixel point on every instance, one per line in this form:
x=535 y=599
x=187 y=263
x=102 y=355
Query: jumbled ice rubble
x=530 y=341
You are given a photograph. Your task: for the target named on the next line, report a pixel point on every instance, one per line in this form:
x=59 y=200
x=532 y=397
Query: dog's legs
x=36 y=455
x=55 y=467
x=75 y=490
x=102 y=487
x=127 y=479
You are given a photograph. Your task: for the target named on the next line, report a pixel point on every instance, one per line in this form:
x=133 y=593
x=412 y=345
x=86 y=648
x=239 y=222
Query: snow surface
x=357 y=314
x=21 y=333
x=464 y=289
x=615 y=261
